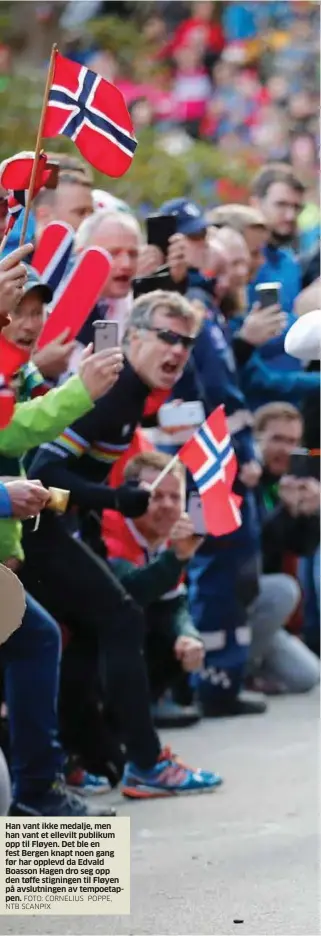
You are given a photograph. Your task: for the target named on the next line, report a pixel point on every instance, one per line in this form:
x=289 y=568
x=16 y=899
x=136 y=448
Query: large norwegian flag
x=93 y=113
x=211 y=459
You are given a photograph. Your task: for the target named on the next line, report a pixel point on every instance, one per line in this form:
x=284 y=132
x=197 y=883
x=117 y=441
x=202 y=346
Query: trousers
x=80 y=590
x=274 y=652
x=30 y=660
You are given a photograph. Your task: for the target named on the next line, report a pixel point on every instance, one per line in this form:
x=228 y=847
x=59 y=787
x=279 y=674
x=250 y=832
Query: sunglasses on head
x=171 y=337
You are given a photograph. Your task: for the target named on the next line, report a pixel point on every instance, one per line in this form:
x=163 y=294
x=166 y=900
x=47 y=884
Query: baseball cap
x=190 y=218
x=34 y=282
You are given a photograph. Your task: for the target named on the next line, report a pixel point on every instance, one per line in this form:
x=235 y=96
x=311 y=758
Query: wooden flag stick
x=38 y=143
x=163 y=473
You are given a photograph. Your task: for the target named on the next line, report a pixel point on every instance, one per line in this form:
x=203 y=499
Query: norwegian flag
x=52 y=253
x=15 y=174
x=93 y=113
x=11 y=358
x=211 y=459
x=14 y=210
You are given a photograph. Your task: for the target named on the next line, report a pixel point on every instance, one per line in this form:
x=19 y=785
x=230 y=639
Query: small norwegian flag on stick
x=209 y=456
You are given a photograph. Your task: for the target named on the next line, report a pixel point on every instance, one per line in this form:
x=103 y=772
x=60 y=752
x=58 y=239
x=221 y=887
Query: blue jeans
x=30 y=659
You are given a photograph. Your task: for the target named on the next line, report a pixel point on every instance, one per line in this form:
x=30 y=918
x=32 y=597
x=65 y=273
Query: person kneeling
x=149 y=556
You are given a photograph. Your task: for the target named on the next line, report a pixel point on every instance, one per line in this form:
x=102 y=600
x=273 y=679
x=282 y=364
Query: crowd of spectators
x=133 y=622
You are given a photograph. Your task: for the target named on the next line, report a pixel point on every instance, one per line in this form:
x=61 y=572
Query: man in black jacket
x=288 y=508
x=76 y=583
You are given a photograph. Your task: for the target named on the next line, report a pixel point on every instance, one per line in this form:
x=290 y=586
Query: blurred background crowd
x=215 y=89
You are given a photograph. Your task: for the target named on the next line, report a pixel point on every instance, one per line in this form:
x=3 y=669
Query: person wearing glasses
x=80 y=585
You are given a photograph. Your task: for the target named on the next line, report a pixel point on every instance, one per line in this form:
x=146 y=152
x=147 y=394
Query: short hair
x=65 y=178
x=277 y=410
x=72 y=164
x=177 y=306
x=275 y=172
x=90 y=225
x=155 y=460
x=238 y=217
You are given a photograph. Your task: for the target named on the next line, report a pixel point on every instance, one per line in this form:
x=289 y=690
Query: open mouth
x=169 y=369
x=122 y=280
x=27 y=344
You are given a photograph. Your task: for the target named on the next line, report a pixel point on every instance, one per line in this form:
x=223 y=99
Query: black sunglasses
x=171 y=337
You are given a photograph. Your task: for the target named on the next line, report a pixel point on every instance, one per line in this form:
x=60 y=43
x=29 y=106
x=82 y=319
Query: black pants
x=80 y=590
x=164 y=670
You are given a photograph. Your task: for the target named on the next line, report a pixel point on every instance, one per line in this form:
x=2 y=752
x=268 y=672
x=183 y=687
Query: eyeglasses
x=171 y=337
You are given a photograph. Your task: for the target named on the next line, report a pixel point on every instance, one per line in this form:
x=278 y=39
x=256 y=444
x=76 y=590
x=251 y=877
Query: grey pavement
x=247 y=852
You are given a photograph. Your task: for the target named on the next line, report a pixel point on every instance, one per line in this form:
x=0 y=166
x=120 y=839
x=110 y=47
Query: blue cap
x=190 y=218
x=34 y=282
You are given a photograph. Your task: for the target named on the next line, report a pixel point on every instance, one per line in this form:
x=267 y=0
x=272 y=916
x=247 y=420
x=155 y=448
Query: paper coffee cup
x=58 y=500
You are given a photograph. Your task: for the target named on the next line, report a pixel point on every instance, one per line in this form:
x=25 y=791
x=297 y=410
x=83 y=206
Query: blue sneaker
x=169 y=777
x=57 y=801
x=87 y=784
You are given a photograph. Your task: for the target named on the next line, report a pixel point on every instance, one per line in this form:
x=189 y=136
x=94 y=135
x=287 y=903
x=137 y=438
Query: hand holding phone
x=184 y=539
x=159 y=230
x=268 y=294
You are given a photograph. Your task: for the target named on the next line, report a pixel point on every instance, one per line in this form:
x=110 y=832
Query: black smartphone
x=268 y=294
x=304 y=465
x=159 y=230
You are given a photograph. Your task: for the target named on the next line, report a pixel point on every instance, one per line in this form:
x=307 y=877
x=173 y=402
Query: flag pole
x=51 y=66
x=163 y=473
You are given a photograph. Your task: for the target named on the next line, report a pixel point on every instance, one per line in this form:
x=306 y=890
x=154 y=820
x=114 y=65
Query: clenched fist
x=27 y=498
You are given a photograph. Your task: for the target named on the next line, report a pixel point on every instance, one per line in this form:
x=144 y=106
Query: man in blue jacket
x=278 y=193
x=223 y=574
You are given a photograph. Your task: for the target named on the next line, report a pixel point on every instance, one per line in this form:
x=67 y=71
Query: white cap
x=303 y=339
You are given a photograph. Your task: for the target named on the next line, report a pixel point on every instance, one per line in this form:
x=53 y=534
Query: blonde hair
x=157 y=461
x=238 y=217
x=277 y=410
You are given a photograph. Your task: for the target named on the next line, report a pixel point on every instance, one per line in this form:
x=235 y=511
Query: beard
x=282 y=240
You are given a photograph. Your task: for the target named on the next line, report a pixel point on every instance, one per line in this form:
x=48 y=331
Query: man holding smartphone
x=76 y=584
x=288 y=504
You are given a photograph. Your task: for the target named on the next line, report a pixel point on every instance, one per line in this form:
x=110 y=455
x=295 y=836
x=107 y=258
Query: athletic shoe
x=57 y=801
x=169 y=777
x=168 y=714
x=87 y=784
x=248 y=703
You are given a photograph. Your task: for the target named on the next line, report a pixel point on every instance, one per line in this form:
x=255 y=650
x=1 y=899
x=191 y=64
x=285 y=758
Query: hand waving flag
x=211 y=459
x=92 y=112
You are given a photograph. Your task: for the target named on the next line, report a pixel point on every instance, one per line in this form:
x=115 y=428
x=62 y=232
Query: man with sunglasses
x=81 y=586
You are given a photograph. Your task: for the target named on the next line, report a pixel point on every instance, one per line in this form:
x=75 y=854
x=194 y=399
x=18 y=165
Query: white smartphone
x=106 y=335
x=172 y=415
x=195 y=512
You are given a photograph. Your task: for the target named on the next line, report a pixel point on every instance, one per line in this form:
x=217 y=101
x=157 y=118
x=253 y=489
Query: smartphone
x=159 y=230
x=268 y=294
x=195 y=512
x=106 y=335
x=304 y=465
x=172 y=415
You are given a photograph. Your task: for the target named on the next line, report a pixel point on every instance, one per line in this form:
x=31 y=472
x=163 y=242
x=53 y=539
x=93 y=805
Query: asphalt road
x=248 y=852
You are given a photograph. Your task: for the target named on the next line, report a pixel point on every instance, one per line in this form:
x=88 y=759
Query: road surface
x=248 y=852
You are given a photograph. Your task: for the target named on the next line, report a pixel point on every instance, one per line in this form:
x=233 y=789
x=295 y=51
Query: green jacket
x=40 y=420
x=148 y=583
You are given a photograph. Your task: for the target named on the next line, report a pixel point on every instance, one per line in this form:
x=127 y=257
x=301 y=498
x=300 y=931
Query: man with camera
x=288 y=504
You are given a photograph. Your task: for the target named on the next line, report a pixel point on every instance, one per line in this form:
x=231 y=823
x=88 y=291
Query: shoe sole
x=92 y=791
x=148 y=793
